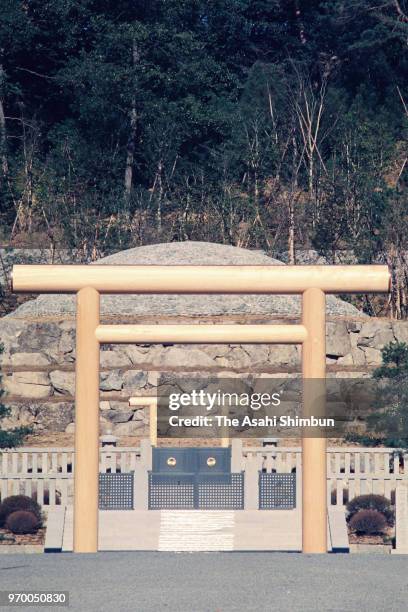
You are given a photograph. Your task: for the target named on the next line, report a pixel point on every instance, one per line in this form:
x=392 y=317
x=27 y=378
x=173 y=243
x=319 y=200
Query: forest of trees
x=272 y=124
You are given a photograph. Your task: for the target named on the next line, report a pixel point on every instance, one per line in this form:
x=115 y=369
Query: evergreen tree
x=389 y=423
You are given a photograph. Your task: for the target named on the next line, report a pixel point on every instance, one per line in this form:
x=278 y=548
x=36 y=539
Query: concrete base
x=120 y=530
x=27 y=549
x=201 y=530
x=54 y=529
x=194 y=530
x=376 y=549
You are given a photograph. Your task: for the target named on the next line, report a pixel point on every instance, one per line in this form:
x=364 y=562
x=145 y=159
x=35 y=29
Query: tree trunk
x=160 y=195
x=131 y=144
x=291 y=203
x=291 y=230
x=298 y=16
x=3 y=133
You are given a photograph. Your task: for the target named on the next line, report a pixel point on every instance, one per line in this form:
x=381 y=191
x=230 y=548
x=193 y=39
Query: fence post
x=299 y=481
x=141 y=476
x=236 y=455
x=401 y=518
x=253 y=464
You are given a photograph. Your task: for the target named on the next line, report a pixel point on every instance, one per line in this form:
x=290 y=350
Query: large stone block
x=130 y=428
x=114 y=359
x=9 y=336
x=33 y=385
x=141 y=354
x=283 y=354
x=347 y=360
x=66 y=345
x=258 y=354
x=373 y=356
x=337 y=339
x=112 y=381
x=376 y=334
x=180 y=356
x=359 y=357
x=400 y=329
x=20 y=415
x=55 y=416
x=118 y=405
x=63 y=382
x=236 y=358
x=134 y=380
x=216 y=350
x=122 y=416
x=40 y=336
x=29 y=359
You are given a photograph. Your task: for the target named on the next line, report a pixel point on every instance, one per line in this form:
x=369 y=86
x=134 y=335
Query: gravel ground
x=194 y=253
x=214 y=582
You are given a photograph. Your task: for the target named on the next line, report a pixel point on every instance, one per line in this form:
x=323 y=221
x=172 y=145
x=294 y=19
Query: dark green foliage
x=368 y=522
x=128 y=123
x=371 y=502
x=19 y=502
x=22 y=522
x=11 y=437
x=388 y=423
x=391 y=420
x=364 y=439
x=395 y=361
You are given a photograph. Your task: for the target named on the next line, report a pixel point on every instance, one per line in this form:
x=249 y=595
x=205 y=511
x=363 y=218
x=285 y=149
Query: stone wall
x=39 y=361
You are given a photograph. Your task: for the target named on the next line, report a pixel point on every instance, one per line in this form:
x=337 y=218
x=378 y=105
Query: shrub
x=22 y=521
x=371 y=502
x=18 y=502
x=368 y=522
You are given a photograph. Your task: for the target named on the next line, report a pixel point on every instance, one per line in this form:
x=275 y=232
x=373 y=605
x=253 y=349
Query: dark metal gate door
x=277 y=491
x=116 y=491
x=194 y=478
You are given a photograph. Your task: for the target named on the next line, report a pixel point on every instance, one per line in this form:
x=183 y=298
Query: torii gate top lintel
x=200 y=279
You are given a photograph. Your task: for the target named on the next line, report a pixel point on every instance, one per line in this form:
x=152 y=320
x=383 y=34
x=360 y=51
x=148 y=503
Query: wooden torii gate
x=88 y=282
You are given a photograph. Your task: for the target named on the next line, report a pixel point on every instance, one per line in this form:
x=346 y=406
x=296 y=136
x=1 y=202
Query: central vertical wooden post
x=86 y=473
x=314 y=471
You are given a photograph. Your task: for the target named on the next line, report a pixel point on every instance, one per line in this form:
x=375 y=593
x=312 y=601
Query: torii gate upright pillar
x=86 y=493
x=314 y=472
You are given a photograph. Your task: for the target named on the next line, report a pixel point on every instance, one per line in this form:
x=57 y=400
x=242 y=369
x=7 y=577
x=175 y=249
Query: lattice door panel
x=116 y=491
x=220 y=492
x=192 y=491
x=277 y=491
x=171 y=492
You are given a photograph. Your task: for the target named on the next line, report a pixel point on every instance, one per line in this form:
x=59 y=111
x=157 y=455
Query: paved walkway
x=214 y=582
x=194 y=530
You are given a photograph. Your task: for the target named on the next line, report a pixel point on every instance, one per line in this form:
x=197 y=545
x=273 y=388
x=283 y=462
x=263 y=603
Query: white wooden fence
x=351 y=471
x=47 y=473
